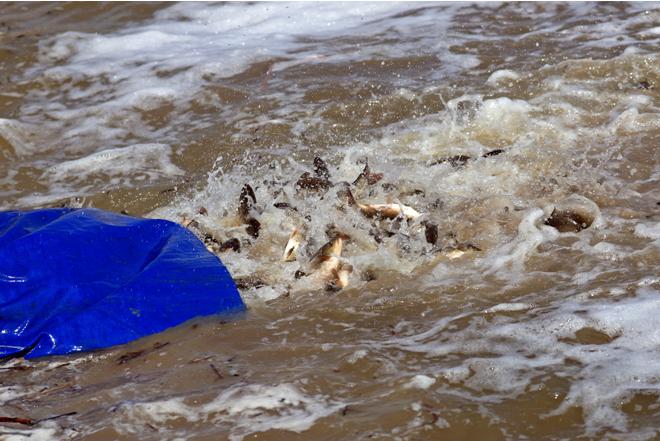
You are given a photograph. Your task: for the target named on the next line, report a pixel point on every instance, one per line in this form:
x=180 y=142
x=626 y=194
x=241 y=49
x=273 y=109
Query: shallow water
x=160 y=110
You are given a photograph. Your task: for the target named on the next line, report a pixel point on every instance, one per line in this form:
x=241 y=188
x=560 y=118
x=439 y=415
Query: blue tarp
x=79 y=279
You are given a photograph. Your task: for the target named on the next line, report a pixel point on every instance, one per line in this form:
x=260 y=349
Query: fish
x=644 y=84
x=314 y=183
x=231 y=244
x=568 y=221
x=367 y=177
x=249 y=282
x=573 y=214
x=430 y=232
x=292 y=245
x=284 y=206
x=492 y=153
x=327 y=265
x=246 y=203
x=388 y=211
x=189 y=222
x=335 y=273
x=382 y=211
x=321 y=168
x=456 y=161
x=333 y=248
x=459 y=250
x=319 y=182
x=207 y=237
x=460 y=161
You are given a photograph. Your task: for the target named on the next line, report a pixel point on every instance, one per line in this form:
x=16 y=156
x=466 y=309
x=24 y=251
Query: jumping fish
x=459 y=161
x=331 y=249
x=328 y=265
x=247 y=200
x=367 y=177
x=382 y=211
x=320 y=182
x=321 y=168
x=335 y=273
x=292 y=245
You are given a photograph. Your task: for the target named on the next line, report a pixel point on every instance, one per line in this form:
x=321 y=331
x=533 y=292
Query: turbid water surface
x=482 y=117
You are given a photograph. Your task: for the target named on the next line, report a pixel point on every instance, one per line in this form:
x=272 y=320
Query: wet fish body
x=292 y=245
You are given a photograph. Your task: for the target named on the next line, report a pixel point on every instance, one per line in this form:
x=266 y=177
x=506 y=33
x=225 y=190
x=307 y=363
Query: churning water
x=476 y=320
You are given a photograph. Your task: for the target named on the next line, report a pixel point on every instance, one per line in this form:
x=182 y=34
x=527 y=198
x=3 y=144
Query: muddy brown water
x=161 y=109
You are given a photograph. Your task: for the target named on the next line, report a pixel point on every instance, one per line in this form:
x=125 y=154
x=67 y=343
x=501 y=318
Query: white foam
x=606 y=376
x=455 y=374
x=651 y=231
x=246 y=409
x=530 y=235
x=420 y=382
x=173 y=58
x=356 y=356
x=502 y=75
x=537 y=147
x=262 y=294
x=186 y=45
x=20 y=136
x=632 y=121
x=141 y=161
x=47 y=431
x=8 y=393
x=105 y=80
x=508 y=307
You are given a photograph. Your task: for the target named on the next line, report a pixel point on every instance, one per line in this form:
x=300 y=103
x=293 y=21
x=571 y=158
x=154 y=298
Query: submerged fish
x=458 y=250
x=573 y=214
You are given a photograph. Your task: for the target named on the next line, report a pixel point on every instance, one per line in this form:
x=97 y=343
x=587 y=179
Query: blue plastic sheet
x=79 y=279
